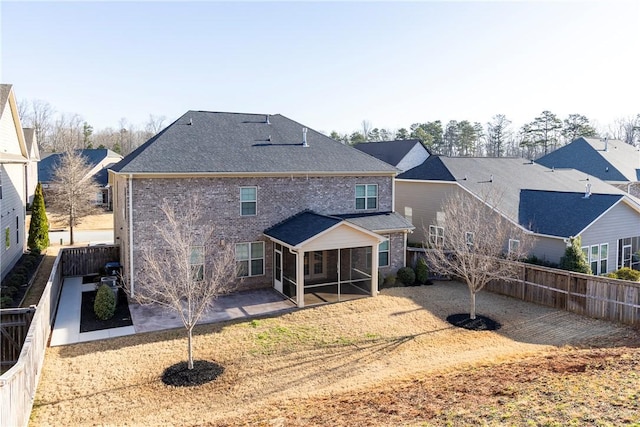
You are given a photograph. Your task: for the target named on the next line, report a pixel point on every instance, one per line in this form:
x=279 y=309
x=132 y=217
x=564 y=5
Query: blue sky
x=328 y=65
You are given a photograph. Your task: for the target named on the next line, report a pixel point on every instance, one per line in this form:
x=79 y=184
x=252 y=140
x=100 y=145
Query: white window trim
x=191 y=263
x=250 y=259
x=469 y=239
x=249 y=201
x=366 y=197
x=513 y=242
x=388 y=251
x=597 y=259
x=436 y=235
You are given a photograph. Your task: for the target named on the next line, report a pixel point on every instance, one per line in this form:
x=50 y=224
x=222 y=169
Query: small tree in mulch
x=186 y=270
x=105 y=303
x=39 y=226
x=479 y=243
x=574 y=259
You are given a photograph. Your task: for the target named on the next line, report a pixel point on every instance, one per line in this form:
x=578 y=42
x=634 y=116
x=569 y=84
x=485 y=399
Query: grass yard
x=389 y=360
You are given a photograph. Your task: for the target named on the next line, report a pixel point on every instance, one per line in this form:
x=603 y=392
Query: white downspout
x=131 y=234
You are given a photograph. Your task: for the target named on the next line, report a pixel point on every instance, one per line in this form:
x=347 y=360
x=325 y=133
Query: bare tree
x=72 y=190
x=188 y=267
x=477 y=241
x=38 y=114
x=154 y=125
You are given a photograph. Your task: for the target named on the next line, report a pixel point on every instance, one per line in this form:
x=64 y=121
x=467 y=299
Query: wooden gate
x=14 y=325
x=88 y=260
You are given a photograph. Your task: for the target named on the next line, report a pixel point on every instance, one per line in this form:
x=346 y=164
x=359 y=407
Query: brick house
x=308 y=216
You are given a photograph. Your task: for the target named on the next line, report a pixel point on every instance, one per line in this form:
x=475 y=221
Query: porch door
x=277 y=269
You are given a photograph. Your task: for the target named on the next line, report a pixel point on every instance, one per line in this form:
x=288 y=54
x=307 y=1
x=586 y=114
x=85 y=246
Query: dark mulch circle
x=88 y=320
x=203 y=371
x=480 y=323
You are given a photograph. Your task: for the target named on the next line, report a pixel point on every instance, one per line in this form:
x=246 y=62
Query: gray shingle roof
x=47 y=165
x=379 y=221
x=507 y=177
x=619 y=163
x=391 y=152
x=562 y=214
x=301 y=227
x=4 y=96
x=214 y=142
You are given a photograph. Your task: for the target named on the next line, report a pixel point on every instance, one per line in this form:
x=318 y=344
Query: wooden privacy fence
x=88 y=259
x=14 y=325
x=594 y=296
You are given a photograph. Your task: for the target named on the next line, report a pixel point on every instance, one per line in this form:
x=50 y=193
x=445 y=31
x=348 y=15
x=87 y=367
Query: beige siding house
x=309 y=217
x=553 y=205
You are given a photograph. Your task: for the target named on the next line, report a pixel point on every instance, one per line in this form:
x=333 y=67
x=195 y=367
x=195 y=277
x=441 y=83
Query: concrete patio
x=150 y=318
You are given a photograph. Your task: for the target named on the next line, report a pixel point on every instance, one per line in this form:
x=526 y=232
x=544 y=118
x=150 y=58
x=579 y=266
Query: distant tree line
x=59 y=132
x=497 y=138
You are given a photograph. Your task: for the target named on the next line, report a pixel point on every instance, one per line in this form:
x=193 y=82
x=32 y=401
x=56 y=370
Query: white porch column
x=374 y=269
x=300 y=278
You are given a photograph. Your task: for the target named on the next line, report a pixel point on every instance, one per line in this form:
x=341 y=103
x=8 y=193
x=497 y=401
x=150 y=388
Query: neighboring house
x=32 y=166
x=307 y=215
x=404 y=154
x=552 y=204
x=99 y=159
x=613 y=161
x=14 y=158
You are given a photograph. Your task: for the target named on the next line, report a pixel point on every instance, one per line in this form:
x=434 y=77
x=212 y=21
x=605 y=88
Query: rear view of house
x=308 y=216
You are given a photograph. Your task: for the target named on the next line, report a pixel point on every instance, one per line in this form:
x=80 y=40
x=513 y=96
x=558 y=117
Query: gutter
x=132 y=288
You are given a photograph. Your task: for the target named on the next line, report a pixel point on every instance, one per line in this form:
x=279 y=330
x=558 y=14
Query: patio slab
x=152 y=317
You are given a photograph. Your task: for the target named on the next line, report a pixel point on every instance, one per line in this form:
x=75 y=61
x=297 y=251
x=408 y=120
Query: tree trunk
x=71 y=235
x=472 y=312
x=189 y=341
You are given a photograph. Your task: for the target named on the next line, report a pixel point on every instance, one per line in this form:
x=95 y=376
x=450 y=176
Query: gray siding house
x=553 y=205
x=14 y=160
x=308 y=216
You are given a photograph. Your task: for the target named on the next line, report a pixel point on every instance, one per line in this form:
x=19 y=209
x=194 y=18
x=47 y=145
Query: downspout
x=131 y=235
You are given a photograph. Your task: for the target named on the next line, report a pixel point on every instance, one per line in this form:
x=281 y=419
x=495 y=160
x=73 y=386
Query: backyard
x=392 y=359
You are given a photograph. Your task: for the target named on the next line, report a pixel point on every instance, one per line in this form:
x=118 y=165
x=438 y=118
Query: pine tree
x=39 y=227
x=574 y=259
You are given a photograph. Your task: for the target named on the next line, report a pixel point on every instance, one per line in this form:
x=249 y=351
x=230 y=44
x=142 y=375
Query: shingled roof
x=546 y=212
x=509 y=178
x=391 y=152
x=47 y=165
x=612 y=160
x=216 y=142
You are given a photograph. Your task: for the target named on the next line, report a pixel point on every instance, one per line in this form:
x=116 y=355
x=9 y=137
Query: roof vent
x=491 y=178
x=553 y=168
x=606 y=144
x=465 y=178
x=304 y=137
x=266 y=120
x=587 y=191
x=269 y=138
x=190 y=121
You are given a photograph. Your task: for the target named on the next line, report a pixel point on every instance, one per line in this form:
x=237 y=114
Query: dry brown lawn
x=389 y=360
x=99 y=221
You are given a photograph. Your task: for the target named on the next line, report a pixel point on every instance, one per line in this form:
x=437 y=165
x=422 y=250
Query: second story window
x=196 y=261
x=366 y=196
x=248 y=201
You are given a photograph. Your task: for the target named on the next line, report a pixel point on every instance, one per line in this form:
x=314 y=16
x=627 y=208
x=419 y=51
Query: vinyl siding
x=8 y=137
x=548 y=249
x=620 y=222
x=425 y=200
x=11 y=207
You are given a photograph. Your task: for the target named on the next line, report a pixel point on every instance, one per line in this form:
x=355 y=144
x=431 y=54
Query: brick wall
x=278 y=198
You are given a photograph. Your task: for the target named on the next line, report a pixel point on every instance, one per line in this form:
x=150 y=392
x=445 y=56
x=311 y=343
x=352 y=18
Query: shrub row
x=409 y=276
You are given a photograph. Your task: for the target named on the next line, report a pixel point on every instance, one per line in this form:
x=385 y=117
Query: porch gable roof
x=307 y=226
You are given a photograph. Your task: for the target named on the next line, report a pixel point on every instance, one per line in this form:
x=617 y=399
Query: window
x=250 y=259
x=383 y=253
x=436 y=236
x=596 y=256
x=514 y=246
x=408 y=214
x=468 y=238
x=366 y=196
x=629 y=253
x=196 y=261
x=17 y=230
x=7 y=238
x=0 y=183
x=248 y=201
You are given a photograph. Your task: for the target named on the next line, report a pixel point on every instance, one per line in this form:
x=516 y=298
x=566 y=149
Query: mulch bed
x=203 y=371
x=88 y=320
x=480 y=323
